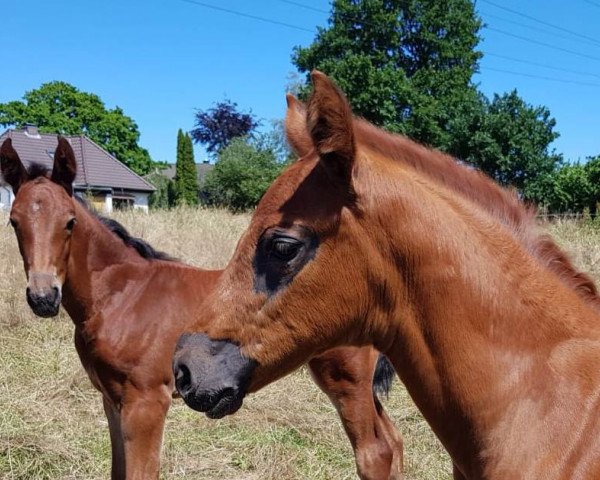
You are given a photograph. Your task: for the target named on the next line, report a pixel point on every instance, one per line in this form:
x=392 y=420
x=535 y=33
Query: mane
x=502 y=203
x=143 y=248
x=36 y=170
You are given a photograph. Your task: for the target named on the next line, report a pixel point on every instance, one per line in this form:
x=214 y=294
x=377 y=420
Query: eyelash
x=285 y=250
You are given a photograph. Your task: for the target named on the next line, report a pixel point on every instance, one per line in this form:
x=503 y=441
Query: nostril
x=30 y=295
x=183 y=378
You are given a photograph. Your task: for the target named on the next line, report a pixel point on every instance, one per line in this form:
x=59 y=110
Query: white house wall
x=140 y=200
x=6 y=197
x=108 y=205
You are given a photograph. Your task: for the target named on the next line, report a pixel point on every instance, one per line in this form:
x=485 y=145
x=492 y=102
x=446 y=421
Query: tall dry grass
x=51 y=419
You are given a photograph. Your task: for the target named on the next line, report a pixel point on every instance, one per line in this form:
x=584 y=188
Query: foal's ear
x=329 y=121
x=13 y=170
x=65 y=166
x=295 y=127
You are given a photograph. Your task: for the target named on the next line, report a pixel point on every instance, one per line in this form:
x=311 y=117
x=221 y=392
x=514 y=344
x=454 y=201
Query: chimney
x=31 y=130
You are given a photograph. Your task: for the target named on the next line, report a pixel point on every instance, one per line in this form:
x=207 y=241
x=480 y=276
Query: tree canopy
x=408 y=66
x=216 y=127
x=243 y=172
x=164 y=195
x=574 y=187
x=58 y=107
x=404 y=65
x=509 y=140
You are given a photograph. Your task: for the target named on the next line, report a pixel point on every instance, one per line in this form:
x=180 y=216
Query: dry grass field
x=51 y=419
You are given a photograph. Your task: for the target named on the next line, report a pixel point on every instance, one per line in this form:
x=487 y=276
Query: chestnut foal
x=372 y=239
x=125 y=332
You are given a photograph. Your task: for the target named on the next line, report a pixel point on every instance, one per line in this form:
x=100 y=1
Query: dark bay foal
x=130 y=303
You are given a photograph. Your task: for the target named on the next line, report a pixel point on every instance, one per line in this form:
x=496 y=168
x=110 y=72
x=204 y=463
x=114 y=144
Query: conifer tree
x=186 y=180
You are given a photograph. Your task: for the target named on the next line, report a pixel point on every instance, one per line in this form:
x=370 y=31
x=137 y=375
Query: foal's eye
x=70 y=224
x=285 y=248
x=280 y=254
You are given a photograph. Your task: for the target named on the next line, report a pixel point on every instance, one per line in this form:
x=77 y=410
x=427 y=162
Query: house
x=106 y=181
x=201 y=170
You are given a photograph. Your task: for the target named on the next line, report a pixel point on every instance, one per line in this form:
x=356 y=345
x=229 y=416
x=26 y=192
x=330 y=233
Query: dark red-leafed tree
x=216 y=127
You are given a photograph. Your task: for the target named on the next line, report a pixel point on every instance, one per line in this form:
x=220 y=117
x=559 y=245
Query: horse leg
x=142 y=422
x=117 y=471
x=393 y=437
x=346 y=376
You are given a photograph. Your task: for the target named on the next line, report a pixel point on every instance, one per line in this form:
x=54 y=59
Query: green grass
x=51 y=419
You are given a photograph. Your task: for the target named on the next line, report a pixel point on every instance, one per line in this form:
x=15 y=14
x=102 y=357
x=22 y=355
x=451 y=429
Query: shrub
x=241 y=176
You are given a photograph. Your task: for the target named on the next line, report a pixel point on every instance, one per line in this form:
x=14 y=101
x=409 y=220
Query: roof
x=96 y=168
x=201 y=170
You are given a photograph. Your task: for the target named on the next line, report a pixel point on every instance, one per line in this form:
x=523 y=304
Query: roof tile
x=95 y=166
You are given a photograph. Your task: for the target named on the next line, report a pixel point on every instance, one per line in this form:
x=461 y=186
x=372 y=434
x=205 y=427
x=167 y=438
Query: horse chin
x=212 y=376
x=226 y=406
x=45 y=311
x=215 y=404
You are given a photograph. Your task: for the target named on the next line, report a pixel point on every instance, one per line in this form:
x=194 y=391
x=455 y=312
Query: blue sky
x=160 y=60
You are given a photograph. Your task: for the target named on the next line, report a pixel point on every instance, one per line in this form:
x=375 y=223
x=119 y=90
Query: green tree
x=408 y=66
x=241 y=175
x=58 y=107
x=186 y=179
x=274 y=141
x=510 y=140
x=164 y=195
x=572 y=190
x=592 y=168
x=404 y=65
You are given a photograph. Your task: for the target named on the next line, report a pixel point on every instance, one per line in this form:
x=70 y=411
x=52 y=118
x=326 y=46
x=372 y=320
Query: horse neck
x=503 y=204
x=94 y=250
x=473 y=317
